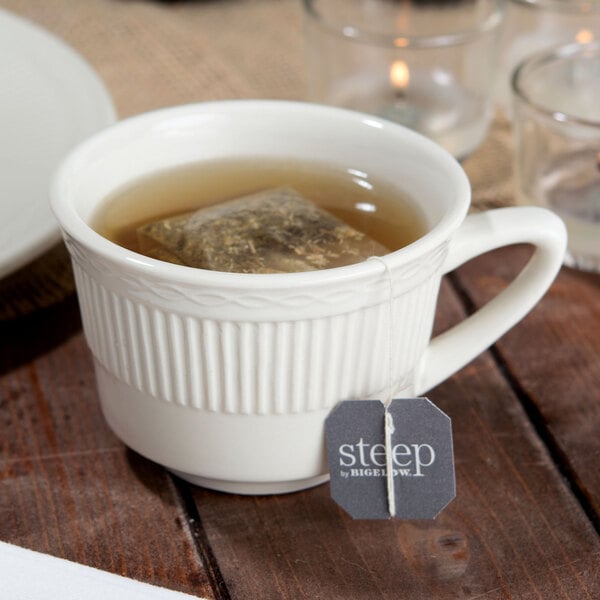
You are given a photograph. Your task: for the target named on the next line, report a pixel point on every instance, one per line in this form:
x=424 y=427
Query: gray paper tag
x=420 y=455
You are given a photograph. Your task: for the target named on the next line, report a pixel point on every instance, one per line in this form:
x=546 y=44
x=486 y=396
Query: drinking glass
x=426 y=65
x=534 y=25
x=557 y=138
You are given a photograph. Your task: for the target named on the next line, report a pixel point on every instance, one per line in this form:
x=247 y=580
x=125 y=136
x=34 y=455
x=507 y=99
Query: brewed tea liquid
x=376 y=208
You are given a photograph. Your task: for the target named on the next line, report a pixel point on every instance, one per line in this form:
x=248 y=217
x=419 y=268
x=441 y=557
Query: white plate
x=50 y=99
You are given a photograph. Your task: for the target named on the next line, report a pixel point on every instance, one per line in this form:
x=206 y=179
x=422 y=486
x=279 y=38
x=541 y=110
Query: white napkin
x=29 y=575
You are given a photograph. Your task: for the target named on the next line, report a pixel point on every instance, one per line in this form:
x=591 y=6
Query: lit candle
x=399 y=75
x=430 y=101
x=400 y=109
x=433 y=103
x=584 y=36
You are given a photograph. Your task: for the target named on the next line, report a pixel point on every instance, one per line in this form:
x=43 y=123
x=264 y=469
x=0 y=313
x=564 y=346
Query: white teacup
x=225 y=378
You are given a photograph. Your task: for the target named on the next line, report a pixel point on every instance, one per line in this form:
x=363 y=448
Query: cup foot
x=252 y=488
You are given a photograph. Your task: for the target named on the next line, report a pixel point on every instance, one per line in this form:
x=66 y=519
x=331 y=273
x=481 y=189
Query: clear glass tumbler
x=428 y=65
x=557 y=142
x=535 y=25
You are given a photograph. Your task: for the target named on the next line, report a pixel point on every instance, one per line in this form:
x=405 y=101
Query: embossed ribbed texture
x=256 y=367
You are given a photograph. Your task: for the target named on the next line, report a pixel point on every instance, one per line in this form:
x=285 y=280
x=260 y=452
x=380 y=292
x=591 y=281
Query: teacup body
x=227 y=378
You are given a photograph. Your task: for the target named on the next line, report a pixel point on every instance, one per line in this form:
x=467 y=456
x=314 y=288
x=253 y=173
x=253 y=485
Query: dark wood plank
x=68 y=487
x=553 y=359
x=514 y=531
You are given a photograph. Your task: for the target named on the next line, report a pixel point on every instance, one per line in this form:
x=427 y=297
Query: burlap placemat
x=490 y=168
x=152 y=54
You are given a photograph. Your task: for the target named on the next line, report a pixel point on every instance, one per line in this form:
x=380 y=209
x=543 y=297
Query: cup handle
x=481 y=233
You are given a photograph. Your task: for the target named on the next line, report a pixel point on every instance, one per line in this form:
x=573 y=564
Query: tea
x=260 y=217
x=273 y=231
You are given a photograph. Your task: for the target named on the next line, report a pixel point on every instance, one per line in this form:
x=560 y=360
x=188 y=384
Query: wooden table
x=526 y=417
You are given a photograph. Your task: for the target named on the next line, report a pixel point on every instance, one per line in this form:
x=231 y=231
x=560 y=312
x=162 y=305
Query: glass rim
x=545 y=57
x=581 y=7
x=402 y=39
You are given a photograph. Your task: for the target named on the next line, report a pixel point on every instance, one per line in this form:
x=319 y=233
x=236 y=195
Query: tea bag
x=273 y=231
x=163 y=254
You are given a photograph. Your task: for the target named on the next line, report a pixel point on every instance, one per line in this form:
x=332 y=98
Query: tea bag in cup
x=272 y=231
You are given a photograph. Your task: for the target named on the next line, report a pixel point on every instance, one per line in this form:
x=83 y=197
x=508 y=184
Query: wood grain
x=553 y=361
x=525 y=415
x=68 y=487
x=514 y=531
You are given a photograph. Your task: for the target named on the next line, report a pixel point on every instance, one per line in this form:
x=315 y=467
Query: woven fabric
x=152 y=54
x=490 y=168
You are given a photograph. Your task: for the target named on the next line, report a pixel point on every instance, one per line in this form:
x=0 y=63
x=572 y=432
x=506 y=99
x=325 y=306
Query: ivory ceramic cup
x=226 y=379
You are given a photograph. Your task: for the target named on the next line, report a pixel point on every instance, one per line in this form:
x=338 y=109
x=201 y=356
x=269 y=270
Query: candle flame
x=584 y=36
x=399 y=75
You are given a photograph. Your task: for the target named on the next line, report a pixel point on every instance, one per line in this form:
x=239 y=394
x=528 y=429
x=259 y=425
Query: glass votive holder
x=426 y=64
x=557 y=142
x=534 y=25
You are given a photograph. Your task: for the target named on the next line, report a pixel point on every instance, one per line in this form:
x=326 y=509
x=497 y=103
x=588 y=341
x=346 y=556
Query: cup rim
x=78 y=229
x=401 y=39
x=541 y=58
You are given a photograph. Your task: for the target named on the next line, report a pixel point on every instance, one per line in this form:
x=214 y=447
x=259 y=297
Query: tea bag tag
x=390 y=460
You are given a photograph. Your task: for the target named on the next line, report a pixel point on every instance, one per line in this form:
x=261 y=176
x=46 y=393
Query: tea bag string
x=389 y=421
